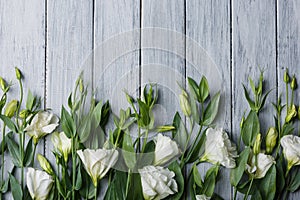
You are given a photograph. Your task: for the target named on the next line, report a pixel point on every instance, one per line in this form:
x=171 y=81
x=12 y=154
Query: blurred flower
x=219 y=149
x=165 y=150
x=202 y=197
x=157 y=182
x=271 y=139
x=259 y=165
x=39 y=184
x=43 y=123
x=62 y=144
x=291 y=149
x=98 y=162
x=11 y=108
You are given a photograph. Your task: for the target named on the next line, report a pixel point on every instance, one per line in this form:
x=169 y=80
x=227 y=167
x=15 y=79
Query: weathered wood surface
x=52 y=42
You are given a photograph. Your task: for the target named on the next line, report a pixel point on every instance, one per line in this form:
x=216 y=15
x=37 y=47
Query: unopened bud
x=129 y=98
x=271 y=139
x=294 y=83
x=257 y=144
x=18 y=73
x=291 y=114
x=45 y=165
x=185 y=104
x=23 y=114
x=286 y=77
x=11 y=108
x=299 y=113
x=81 y=87
x=3 y=84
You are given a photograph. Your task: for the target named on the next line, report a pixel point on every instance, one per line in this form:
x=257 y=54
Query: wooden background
x=50 y=41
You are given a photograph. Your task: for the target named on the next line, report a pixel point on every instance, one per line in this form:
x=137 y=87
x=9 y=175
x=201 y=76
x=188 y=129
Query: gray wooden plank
x=208 y=23
x=288 y=38
x=253 y=24
x=22 y=44
x=116 y=55
x=69 y=43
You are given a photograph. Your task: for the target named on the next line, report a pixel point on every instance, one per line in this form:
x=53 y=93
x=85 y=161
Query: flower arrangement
x=136 y=166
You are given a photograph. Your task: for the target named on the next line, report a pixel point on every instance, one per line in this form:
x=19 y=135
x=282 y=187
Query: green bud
x=11 y=108
x=3 y=84
x=129 y=98
x=81 y=87
x=257 y=144
x=286 y=77
x=291 y=114
x=45 y=165
x=165 y=128
x=18 y=73
x=299 y=113
x=271 y=139
x=23 y=114
x=185 y=104
x=294 y=83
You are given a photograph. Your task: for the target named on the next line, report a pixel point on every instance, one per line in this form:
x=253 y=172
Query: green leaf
x=174 y=166
x=3 y=146
x=28 y=154
x=128 y=151
x=84 y=128
x=210 y=181
x=295 y=180
x=198 y=150
x=144 y=114
x=9 y=123
x=287 y=129
x=105 y=112
x=4 y=187
x=237 y=173
x=70 y=104
x=30 y=101
x=264 y=100
x=97 y=113
x=117 y=188
x=211 y=111
x=280 y=175
x=15 y=187
x=203 y=89
x=197 y=177
x=148 y=156
x=180 y=135
x=135 y=190
x=267 y=185
x=193 y=86
x=60 y=188
x=251 y=103
x=78 y=183
x=252 y=85
x=250 y=129
x=14 y=151
x=67 y=123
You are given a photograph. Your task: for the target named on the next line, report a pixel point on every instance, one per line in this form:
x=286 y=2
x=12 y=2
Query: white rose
x=39 y=184
x=62 y=144
x=157 y=182
x=165 y=150
x=98 y=162
x=291 y=149
x=259 y=165
x=43 y=123
x=202 y=197
x=219 y=149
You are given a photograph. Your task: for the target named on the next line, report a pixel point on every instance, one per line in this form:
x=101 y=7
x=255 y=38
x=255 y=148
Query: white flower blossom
x=98 y=162
x=43 y=123
x=39 y=184
x=165 y=150
x=62 y=144
x=202 y=197
x=219 y=149
x=157 y=182
x=291 y=149
x=259 y=165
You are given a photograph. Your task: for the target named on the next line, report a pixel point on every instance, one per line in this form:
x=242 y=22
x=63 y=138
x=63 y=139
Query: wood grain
x=288 y=38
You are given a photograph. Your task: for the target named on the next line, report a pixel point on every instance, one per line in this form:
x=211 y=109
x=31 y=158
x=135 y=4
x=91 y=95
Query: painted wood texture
x=53 y=41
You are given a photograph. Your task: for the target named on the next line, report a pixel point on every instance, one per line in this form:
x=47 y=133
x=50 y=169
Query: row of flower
x=137 y=166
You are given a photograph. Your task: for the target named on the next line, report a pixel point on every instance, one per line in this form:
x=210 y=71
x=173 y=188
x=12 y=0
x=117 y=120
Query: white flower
x=219 y=149
x=157 y=182
x=291 y=149
x=39 y=184
x=98 y=162
x=43 y=123
x=165 y=150
x=259 y=165
x=62 y=144
x=202 y=197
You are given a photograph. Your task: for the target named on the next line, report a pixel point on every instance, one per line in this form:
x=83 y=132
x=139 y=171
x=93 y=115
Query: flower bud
x=129 y=98
x=257 y=143
x=271 y=139
x=18 y=73
x=299 y=113
x=294 y=83
x=291 y=114
x=185 y=104
x=45 y=165
x=23 y=114
x=81 y=87
x=3 y=84
x=286 y=77
x=11 y=108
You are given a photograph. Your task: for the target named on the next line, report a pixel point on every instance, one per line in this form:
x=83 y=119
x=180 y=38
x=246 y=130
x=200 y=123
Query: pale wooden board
x=208 y=23
x=69 y=42
x=288 y=37
x=253 y=24
x=22 y=43
x=116 y=55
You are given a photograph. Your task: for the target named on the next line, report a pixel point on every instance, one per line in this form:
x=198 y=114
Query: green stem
x=118 y=137
x=145 y=141
x=128 y=182
x=292 y=100
x=287 y=98
x=194 y=143
x=235 y=193
x=95 y=192
x=247 y=194
x=20 y=103
x=2 y=148
x=34 y=150
x=73 y=166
